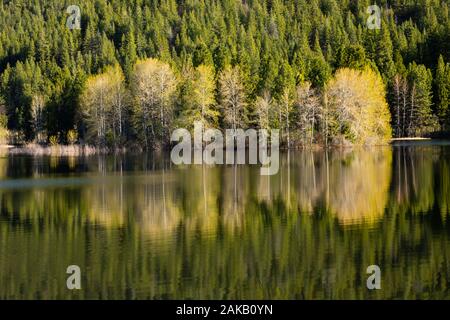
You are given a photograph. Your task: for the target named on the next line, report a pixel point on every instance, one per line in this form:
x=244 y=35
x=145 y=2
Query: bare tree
x=412 y=108
x=397 y=106
x=95 y=103
x=154 y=85
x=119 y=96
x=233 y=97
x=37 y=114
x=404 y=89
x=103 y=105
x=263 y=109
x=400 y=105
x=285 y=104
x=309 y=110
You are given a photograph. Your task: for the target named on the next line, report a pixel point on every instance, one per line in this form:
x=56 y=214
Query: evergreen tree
x=277 y=45
x=442 y=84
x=421 y=118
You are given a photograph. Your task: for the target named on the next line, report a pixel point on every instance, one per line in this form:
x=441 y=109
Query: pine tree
x=274 y=43
x=128 y=52
x=421 y=120
x=442 y=84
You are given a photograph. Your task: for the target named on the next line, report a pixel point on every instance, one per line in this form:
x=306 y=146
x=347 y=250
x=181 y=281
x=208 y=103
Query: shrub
x=72 y=136
x=53 y=140
x=3 y=121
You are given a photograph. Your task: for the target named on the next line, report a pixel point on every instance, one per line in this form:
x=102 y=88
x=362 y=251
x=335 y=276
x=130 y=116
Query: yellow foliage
x=153 y=77
x=102 y=102
x=3 y=136
x=154 y=86
x=358 y=106
x=204 y=88
x=363 y=182
x=53 y=140
x=72 y=136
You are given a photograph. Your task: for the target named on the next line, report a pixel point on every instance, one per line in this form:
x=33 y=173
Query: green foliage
x=352 y=56
x=198 y=92
x=319 y=72
x=422 y=119
x=307 y=233
x=275 y=44
x=442 y=83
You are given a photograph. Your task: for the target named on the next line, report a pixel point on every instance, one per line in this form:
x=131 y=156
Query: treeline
x=138 y=68
x=351 y=108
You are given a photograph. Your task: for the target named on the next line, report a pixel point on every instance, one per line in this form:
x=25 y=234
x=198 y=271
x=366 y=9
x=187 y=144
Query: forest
x=137 y=69
x=382 y=204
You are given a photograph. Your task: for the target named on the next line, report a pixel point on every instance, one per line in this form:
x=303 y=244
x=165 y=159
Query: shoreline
x=57 y=150
x=78 y=150
x=412 y=139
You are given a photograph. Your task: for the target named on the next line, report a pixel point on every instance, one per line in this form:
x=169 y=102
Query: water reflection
x=141 y=228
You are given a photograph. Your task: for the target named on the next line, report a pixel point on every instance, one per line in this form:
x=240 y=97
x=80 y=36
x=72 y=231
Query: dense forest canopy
x=137 y=68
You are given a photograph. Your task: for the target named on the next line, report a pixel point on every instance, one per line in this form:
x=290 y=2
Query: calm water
x=141 y=228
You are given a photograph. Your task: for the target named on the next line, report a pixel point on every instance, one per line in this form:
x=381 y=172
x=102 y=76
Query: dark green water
x=141 y=228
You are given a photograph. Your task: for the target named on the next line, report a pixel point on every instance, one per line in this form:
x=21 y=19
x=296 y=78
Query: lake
x=141 y=228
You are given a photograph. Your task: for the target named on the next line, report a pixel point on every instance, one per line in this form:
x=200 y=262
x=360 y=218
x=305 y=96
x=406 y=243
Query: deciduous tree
x=153 y=85
x=358 y=105
x=232 y=97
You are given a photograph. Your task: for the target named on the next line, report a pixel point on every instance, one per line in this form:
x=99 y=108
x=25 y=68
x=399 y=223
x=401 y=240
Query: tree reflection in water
x=141 y=228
